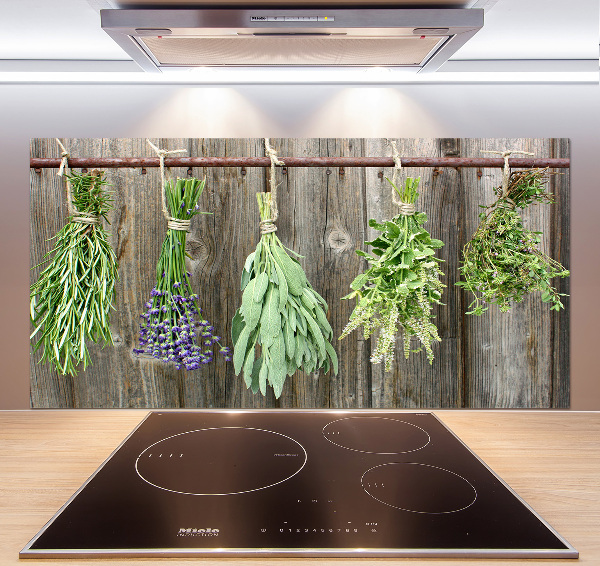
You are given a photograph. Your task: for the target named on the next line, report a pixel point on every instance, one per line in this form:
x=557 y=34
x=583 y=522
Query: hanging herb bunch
x=501 y=262
x=282 y=319
x=396 y=294
x=70 y=303
x=173 y=322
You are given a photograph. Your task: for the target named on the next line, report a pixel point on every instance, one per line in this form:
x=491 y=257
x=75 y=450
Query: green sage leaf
x=262 y=281
x=237 y=325
x=239 y=352
x=270 y=320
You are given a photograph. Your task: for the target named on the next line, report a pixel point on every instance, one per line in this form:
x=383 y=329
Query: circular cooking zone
x=221 y=461
x=376 y=435
x=418 y=488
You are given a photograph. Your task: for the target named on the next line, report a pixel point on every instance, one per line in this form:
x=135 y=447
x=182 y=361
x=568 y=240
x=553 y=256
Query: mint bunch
x=397 y=293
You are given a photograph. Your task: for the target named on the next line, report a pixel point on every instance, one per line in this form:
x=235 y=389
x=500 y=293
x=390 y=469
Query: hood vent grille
x=290 y=51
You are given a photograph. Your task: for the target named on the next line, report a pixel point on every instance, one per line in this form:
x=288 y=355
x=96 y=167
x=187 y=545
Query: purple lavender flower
x=168 y=328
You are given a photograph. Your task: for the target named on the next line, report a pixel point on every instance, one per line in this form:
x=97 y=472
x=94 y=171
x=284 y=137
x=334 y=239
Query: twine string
x=506 y=170
x=64 y=162
x=405 y=208
x=397 y=168
x=180 y=224
x=268 y=224
x=88 y=218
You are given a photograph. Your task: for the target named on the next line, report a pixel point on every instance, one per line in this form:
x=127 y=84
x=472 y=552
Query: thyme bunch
x=396 y=294
x=173 y=321
x=501 y=262
x=70 y=302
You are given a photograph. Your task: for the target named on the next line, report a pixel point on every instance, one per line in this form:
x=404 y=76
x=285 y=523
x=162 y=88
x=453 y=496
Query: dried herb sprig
x=172 y=323
x=501 y=262
x=281 y=314
x=70 y=303
x=398 y=291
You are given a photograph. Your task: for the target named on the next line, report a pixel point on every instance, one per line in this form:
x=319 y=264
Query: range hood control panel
x=292 y=18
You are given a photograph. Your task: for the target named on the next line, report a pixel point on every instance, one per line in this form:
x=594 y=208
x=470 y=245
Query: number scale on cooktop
x=285 y=483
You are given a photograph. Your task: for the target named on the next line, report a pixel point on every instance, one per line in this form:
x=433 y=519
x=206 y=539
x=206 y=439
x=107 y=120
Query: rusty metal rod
x=118 y=162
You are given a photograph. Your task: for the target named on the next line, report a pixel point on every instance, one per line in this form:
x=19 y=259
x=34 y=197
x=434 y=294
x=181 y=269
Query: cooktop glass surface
x=285 y=483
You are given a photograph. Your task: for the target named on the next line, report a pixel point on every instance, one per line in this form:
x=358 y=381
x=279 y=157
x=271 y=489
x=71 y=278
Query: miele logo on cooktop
x=193 y=532
x=286 y=454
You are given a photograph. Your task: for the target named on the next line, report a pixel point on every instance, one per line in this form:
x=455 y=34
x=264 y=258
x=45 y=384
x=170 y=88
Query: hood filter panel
x=290 y=51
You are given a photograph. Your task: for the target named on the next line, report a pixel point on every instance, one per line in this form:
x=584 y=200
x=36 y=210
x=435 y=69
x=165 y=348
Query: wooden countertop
x=550 y=458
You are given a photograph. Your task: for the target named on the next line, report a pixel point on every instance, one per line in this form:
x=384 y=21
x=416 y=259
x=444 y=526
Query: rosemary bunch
x=281 y=314
x=173 y=321
x=402 y=284
x=70 y=303
x=501 y=262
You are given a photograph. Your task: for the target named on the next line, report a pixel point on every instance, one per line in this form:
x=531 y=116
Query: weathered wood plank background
x=517 y=359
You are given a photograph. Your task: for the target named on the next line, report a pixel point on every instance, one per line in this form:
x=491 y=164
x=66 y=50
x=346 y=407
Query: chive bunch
x=70 y=303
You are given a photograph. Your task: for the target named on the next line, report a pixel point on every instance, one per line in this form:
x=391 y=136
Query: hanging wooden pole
x=121 y=162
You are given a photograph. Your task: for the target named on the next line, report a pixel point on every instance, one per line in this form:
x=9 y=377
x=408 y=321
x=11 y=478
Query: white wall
x=499 y=110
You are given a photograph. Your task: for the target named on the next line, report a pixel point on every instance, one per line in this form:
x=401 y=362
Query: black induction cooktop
x=303 y=483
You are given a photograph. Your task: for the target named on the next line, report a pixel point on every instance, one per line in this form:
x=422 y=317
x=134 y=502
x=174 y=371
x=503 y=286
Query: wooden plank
x=509 y=354
x=47 y=217
x=519 y=359
x=225 y=239
x=414 y=382
x=560 y=238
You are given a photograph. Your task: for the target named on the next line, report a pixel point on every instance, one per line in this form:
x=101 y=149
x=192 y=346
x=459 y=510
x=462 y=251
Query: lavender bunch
x=173 y=321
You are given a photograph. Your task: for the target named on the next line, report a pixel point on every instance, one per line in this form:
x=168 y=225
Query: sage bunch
x=173 y=323
x=502 y=263
x=281 y=325
x=397 y=293
x=70 y=303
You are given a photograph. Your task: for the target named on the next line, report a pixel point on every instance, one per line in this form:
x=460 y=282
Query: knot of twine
x=267 y=225
x=85 y=218
x=406 y=208
x=506 y=170
x=178 y=224
x=88 y=218
x=64 y=162
x=172 y=223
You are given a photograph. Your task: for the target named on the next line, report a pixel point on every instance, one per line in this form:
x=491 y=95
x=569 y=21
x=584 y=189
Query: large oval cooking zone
x=221 y=461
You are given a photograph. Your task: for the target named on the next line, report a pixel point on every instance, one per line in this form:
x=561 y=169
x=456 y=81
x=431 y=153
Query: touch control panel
x=292 y=18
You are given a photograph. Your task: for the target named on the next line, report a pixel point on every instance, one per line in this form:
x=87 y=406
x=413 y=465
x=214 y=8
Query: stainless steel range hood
x=413 y=39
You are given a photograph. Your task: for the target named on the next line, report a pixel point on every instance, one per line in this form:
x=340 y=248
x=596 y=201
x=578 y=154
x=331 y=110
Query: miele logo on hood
x=193 y=532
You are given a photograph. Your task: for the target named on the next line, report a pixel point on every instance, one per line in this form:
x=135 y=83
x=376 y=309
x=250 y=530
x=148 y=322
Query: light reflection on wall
x=205 y=112
x=289 y=111
x=371 y=112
